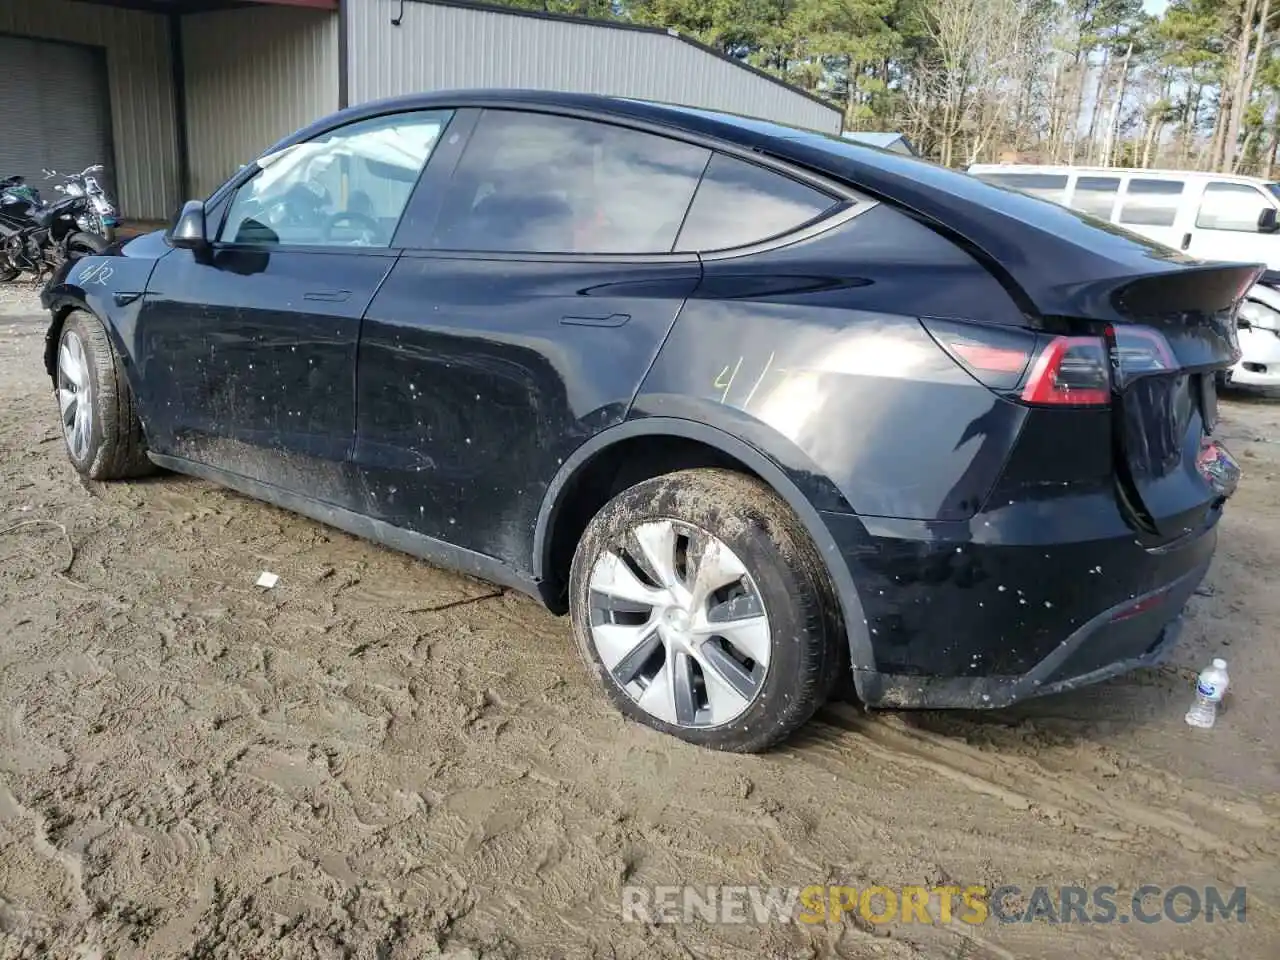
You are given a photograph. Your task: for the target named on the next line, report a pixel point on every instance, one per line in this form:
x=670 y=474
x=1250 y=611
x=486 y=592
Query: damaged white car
x=1259 y=328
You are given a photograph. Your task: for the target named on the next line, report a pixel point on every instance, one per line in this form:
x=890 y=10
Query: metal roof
x=638 y=27
x=885 y=140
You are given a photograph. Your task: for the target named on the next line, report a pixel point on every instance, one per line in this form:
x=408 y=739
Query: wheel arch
x=63 y=300
x=556 y=526
x=61 y=303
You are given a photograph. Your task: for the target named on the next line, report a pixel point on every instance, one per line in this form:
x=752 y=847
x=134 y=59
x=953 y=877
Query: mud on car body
x=754 y=406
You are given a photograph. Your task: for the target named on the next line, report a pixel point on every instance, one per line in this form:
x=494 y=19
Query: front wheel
x=704 y=610
x=99 y=420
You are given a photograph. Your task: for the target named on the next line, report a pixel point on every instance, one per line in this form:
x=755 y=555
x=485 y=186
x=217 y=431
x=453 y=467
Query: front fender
x=59 y=297
x=805 y=491
x=111 y=287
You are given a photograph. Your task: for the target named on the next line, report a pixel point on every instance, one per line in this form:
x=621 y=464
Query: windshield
x=1274 y=189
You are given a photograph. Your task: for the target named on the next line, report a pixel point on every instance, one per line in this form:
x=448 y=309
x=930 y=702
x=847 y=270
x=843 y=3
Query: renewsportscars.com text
x=1009 y=903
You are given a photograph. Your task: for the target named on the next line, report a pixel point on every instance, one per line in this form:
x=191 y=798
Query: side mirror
x=1267 y=220
x=188 y=231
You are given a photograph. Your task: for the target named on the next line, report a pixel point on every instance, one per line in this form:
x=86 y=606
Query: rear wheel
x=99 y=422
x=704 y=610
x=85 y=245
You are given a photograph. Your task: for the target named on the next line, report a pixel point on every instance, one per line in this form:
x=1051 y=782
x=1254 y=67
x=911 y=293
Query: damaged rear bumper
x=1137 y=633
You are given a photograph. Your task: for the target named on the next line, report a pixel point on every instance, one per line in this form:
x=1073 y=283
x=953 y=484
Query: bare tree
x=976 y=75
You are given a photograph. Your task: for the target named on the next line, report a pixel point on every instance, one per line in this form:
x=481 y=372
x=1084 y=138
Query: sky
x=1154 y=6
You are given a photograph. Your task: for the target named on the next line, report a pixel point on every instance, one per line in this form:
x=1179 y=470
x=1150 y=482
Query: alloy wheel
x=75 y=395
x=679 y=623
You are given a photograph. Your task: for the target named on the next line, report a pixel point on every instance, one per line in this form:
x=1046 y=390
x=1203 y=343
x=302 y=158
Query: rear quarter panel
x=814 y=354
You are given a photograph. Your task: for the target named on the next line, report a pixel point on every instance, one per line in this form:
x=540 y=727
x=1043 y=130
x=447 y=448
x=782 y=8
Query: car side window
x=539 y=183
x=1231 y=206
x=1095 y=195
x=1046 y=186
x=347 y=187
x=1149 y=202
x=740 y=203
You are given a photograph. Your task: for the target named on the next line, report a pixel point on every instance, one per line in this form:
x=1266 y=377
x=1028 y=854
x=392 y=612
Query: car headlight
x=1254 y=314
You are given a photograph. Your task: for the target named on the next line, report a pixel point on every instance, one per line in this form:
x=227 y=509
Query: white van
x=1213 y=216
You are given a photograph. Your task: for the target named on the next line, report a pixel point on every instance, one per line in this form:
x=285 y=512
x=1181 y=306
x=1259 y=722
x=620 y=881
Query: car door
x=1226 y=225
x=1149 y=206
x=519 y=322
x=249 y=346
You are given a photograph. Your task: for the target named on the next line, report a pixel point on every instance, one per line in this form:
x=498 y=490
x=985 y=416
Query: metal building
x=894 y=142
x=173 y=95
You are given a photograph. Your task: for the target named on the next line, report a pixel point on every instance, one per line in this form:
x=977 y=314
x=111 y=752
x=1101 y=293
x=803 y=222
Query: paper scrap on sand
x=267 y=579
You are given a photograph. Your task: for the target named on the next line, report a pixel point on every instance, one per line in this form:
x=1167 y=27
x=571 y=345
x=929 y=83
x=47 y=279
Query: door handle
x=612 y=320
x=328 y=296
x=1186 y=240
x=123 y=298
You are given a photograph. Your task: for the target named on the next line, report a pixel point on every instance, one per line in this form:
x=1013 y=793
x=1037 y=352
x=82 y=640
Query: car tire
x=81 y=245
x=100 y=426
x=674 y=655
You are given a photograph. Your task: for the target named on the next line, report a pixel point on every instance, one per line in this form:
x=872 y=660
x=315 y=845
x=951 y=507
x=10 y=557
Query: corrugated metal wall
x=253 y=76
x=441 y=47
x=143 y=124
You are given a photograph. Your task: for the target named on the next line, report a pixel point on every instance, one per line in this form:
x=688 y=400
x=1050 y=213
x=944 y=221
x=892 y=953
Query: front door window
x=1231 y=206
x=348 y=187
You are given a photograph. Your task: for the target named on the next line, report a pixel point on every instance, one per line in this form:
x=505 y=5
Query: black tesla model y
x=754 y=406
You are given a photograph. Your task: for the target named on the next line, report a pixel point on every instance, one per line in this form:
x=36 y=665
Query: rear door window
x=1046 y=186
x=1149 y=202
x=1095 y=196
x=739 y=203
x=1231 y=206
x=539 y=183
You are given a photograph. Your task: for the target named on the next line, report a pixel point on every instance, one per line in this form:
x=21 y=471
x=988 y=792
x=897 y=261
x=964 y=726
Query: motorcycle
x=38 y=237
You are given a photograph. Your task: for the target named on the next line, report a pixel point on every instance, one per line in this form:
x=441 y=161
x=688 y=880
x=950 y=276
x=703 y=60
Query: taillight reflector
x=1139 y=607
x=994 y=359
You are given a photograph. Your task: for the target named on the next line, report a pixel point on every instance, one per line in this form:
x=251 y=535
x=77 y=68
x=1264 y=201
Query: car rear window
x=1046 y=186
x=739 y=203
x=1095 y=195
x=1151 y=203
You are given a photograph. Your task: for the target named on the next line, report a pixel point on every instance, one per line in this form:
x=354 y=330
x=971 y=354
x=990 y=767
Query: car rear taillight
x=996 y=357
x=1033 y=368
x=1070 y=371
x=1139 y=350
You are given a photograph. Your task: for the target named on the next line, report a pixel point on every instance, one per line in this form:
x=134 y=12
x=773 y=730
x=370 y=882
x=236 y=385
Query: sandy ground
x=377 y=759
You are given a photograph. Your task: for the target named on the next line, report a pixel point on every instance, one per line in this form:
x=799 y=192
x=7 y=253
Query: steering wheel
x=368 y=227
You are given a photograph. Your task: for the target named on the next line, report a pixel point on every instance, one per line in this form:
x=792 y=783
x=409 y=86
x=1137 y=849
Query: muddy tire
x=100 y=425
x=704 y=611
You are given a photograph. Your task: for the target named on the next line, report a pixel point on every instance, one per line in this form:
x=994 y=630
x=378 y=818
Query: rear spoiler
x=1056 y=262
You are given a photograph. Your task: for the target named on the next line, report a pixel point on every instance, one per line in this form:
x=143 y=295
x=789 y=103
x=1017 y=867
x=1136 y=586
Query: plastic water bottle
x=1211 y=687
